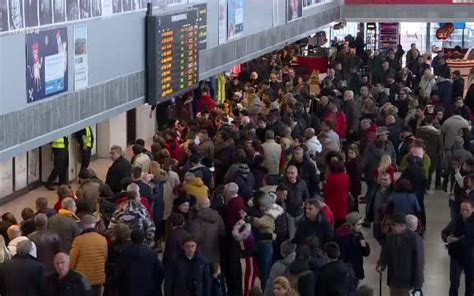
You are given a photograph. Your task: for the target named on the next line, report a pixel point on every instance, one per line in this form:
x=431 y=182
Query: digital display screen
x=172 y=55
x=202 y=23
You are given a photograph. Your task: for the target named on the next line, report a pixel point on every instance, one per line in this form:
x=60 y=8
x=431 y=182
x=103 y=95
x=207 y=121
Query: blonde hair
x=283 y=281
x=384 y=164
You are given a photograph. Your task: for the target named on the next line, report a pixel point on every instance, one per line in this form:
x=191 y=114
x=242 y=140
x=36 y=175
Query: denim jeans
x=292 y=221
x=265 y=257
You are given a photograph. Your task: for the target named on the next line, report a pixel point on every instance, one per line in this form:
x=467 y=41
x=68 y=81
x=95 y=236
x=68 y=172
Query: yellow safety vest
x=59 y=143
x=88 y=140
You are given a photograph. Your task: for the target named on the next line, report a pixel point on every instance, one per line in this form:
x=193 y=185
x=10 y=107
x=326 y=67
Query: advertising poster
x=107 y=7
x=16 y=14
x=294 y=9
x=85 y=8
x=45 y=12
x=96 y=8
x=46 y=64
x=81 y=66
x=33 y=166
x=21 y=171
x=116 y=6
x=31 y=13
x=3 y=16
x=126 y=5
x=235 y=18
x=202 y=24
x=6 y=177
x=222 y=25
x=72 y=10
x=59 y=11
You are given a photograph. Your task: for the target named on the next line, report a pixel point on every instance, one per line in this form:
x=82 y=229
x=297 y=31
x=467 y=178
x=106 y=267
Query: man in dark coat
x=352 y=243
x=306 y=170
x=313 y=224
x=459 y=237
x=175 y=239
x=352 y=112
x=336 y=277
x=403 y=254
x=445 y=91
x=23 y=275
x=145 y=189
x=297 y=194
x=140 y=271
x=120 y=169
x=47 y=242
x=189 y=274
x=458 y=84
x=300 y=274
x=65 y=281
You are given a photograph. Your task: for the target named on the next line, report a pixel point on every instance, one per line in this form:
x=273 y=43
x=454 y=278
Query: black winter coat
x=120 y=169
x=335 y=279
x=73 y=284
x=351 y=250
x=321 y=228
x=186 y=277
x=21 y=276
x=297 y=194
x=140 y=272
x=306 y=279
x=307 y=172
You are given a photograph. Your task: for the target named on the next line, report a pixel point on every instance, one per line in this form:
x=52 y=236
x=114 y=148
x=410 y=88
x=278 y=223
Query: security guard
x=85 y=138
x=60 y=151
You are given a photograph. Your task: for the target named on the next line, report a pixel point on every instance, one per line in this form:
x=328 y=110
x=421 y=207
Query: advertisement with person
x=235 y=18
x=46 y=64
x=59 y=11
x=222 y=24
x=294 y=9
x=16 y=14
x=31 y=13
x=72 y=8
x=81 y=66
x=45 y=12
x=3 y=16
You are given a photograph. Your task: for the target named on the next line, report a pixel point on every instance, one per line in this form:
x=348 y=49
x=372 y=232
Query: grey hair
x=232 y=187
x=68 y=203
x=24 y=247
x=411 y=222
x=41 y=219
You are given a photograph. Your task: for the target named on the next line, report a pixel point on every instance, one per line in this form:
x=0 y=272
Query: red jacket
x=232 y=211
x=174 y=149
x=205 y=100
x=336 y=192
x=340 y=123
x=328 y=213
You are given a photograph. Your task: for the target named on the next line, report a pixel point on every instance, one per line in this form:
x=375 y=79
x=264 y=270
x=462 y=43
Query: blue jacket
x=403 y=203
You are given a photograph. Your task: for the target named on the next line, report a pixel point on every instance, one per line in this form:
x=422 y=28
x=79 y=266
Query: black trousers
x=455 y=270
x=85 y=158
x=60 y=166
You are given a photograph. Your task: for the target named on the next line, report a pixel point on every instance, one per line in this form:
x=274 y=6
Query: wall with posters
x=115 y=63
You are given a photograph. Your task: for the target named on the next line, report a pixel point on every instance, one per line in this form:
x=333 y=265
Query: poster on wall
x=6 y=178
x=31 y=13
x=116 y=6
x=222 y=21
x=72 y=10
x=81 y=65
x=107 y=7
x=127 y=5
x=16 y=14
x=294 y=9
x=46 y=64
x=3 y=16
x=59 y=11
x=85 y=10
x=235 y=18
x=96 y=8
x=45 y=12
x=202 y=25
x=33 y=166
x=21 y=172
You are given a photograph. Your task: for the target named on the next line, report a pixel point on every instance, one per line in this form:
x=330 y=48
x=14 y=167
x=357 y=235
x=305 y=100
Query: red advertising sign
x=405 y=2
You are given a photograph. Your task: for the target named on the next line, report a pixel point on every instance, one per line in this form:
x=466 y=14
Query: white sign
x=81 y=65
x=222 y=25
x=107 y=7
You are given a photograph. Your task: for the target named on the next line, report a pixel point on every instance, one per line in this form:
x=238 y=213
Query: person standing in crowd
x=85 y=139
x=297 y=194
x=65 y=223
x=336 y=277
x=120 y=169
x=336 y=191
x=212 y=231
x=299 y=274
x=89 y=254
x=42 y=207
x=307 y=171
x=47 y=242
x=403 y=255
x=60 y=152
x=189 y=273
x=314 y=223
x=139 y=271
x=66 y=281
x=272 y=156
x=279 y=268
x=23 y=274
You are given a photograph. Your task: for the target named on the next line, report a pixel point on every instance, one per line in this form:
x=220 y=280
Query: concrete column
x=111 y=132
x=145 y=125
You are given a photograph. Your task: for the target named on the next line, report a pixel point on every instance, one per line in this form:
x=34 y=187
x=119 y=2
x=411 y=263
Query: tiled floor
x=436 y=256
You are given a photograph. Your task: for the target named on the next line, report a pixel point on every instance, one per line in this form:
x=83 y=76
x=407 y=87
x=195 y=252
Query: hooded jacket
x=240 y=173
x=351 y=250
x=196 y=188
x=212 y=231
x=264 y=226
x=321 y=228
x=450 y=130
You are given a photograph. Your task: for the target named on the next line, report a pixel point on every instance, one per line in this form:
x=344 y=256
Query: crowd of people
x=260 y=193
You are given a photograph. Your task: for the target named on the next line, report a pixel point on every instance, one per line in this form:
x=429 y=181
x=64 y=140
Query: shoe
x=49 y=187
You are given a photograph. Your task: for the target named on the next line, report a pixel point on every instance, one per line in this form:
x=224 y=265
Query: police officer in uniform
x=60 y=161
x=85 y=138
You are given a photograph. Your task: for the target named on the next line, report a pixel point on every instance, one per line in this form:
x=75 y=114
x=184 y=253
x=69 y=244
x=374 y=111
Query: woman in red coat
x=336 y=191
x=339 y=119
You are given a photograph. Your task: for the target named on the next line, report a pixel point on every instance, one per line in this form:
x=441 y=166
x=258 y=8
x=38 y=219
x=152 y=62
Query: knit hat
x=353 y=218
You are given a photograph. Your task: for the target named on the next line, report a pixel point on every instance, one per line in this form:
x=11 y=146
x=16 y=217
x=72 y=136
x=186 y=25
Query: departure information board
x=172 y=54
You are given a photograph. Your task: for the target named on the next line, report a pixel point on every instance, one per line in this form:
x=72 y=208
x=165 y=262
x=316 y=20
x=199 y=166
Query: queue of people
x=260 y=194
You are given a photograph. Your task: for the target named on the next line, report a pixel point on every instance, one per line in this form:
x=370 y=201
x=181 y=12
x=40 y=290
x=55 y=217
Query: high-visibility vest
x=88 y=140
x=59 y=143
